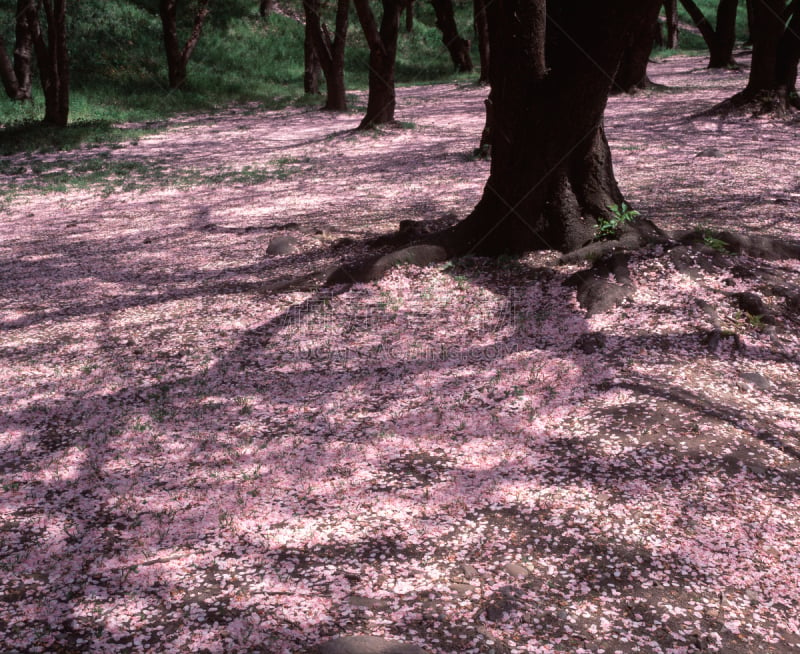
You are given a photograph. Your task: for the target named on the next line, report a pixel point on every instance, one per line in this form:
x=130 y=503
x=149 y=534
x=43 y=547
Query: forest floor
x=454 y=456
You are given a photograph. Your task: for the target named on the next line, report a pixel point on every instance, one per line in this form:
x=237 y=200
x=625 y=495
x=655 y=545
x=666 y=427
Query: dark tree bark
x=52 y=60
x=551 y=177
x=382 y=54
x=311 y=63
x=16 y=77
x=789 y=57
x=410 y=16
x=330 y=50
x=720 y=41
x=177 y=57
x=456 y=46
x=671 y=19
x=265 y=8
x=632 y=72
x=482 y=33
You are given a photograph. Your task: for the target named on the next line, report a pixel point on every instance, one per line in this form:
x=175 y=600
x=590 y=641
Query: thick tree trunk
x=551 y=177
x=52 y=60
x=632 y=72
x=768 y=28
x=789 y=57
x=482 y=32
x=456 y=46
x=382 y=54
x=330 y=50
x=177 y=57
x=671 y=16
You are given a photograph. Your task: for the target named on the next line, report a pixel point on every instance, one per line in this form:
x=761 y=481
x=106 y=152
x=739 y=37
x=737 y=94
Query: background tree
x=671 y=22
x=311 y=64
x=382 y=54
x=632 y=72
x=16 y=77
x=52 y=59
x=457 y=46
x=330 y=51
x=720 y=40
x=177 y=56
x=482 y=33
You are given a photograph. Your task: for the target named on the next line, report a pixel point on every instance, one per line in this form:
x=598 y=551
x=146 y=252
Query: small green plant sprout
x=620 y=214
x=715 y=243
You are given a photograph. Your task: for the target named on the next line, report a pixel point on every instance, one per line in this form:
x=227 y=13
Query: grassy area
x=118 y=67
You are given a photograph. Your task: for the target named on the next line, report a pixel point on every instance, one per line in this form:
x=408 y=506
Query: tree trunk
x=456 y=46
x=330 y=51
x=382 y=54
x=16 y=78
x=721 y=54
x=720 y=41
x=177 y=57
x=310 y=58
x=265 y=8
x=632 y=72
x=551 y=177
x=482 y=32
x=671 y=15
x=410 y=16
x=789 y=57
x=52 y=60
x=768 y=28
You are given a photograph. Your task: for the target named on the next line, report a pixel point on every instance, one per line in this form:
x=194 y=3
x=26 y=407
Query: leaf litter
x=453 y=456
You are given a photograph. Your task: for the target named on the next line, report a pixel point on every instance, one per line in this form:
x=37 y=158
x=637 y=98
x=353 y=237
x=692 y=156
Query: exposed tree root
x=748 y=104
x=605 y=284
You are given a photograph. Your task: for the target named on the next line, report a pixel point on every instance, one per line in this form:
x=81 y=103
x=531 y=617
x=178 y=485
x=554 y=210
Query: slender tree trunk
x=311 y=59
x=551 y=176
x=482 y=32
x=265 y=8
x=671 y=15
x=410 y=16
x=720 y=41
x=330 y=50
x=456 y=46
x=721 y=55
x=177 y=57
x=632 y=72
x=52 y=60
x=16 y=77
x=382 y=54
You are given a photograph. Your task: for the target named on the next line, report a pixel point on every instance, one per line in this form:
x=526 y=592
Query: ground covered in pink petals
x=455 y=456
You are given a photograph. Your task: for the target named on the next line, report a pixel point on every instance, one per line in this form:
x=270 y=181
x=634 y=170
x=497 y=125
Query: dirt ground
x=454 y=456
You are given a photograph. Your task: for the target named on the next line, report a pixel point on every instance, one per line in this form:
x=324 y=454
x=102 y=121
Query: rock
x=462 y=590
x=283 y=245
x=367 y=602
x=590 y=343
x=751 y=303
x=517 y=570
x=470 y=571
x=756 y=379
x=366 y=645
x=710 y=152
